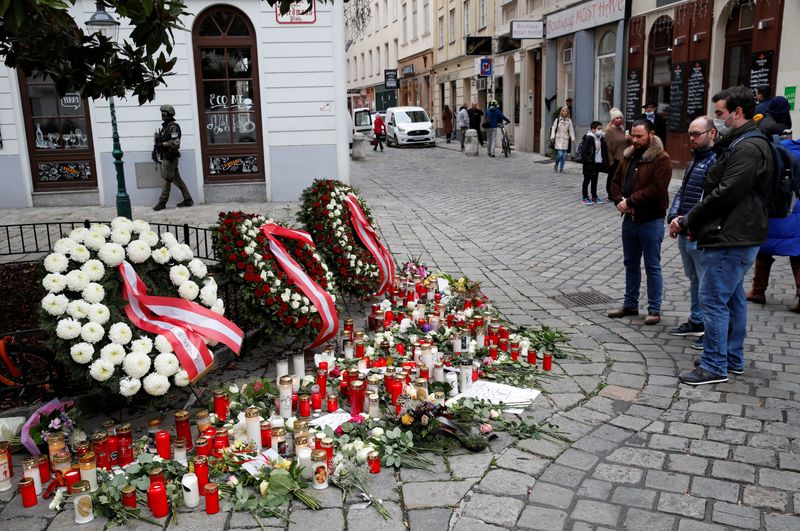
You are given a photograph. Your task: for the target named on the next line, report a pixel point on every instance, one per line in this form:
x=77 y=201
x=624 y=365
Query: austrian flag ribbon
x=183 y=323
x=318 y=296
x=370 y=239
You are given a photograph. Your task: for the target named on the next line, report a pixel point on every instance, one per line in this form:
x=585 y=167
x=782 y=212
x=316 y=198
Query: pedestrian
x=701 y=141
x=447 y=122
x=475 y=116
x=562 y=135
x=776 y=119
x=639 y=190
x=594 y=156
x=763 y=96
x=379 y=130
x=166 y=151
x=493 y=118
x=463 y=123
x=616 y=142
x=729 y=224
x=656 y=119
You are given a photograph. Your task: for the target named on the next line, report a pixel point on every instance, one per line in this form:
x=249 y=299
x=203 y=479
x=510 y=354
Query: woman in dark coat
x=447 y=122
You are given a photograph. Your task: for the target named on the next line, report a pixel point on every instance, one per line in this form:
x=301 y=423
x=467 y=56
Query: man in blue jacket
x=702 y=134
x=493 y=117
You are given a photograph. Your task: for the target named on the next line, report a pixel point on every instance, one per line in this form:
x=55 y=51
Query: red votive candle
x=27 y=491
x=493 y=352
x=266 y=434
x=316 y=401
x=157 y=499
x=43 y=462
x=304 y=406
x=163 y=444
x=70 y=478
x=333 y=403
x=211 y=490
x=183 y=425
x=129 y=496
x=532 y=357
x=201 y=471
x=547 y=362
x=374 y=462
x=322 y=379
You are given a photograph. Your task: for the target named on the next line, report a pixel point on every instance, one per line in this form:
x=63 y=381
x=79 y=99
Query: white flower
x=77 y=235
x=136 y=364
x=54 y=282
x=198 y=268
x=208 y=294
x=166 y=364
x=100 y=228
x=149 y=237
x=79 y=254
x=405 y=324
x=94 y=269
x=138 y=251
x=144 y=345
x=77 y=280
x=112 y=254
x=121 y=222
x=93 y=293
x=169 y=239
x=140 y=226
x=179 y=274
x=94 y=241
x=155 y=384
x=68 y=328
x=79 y=309
x=295 y=297
x=81 y=353
x=188 y=290
x=55 y=305
x=64 y=245
x=113 y=353
x=101 y=370
x=58 y=499
x=129 y=386
x=219 y=307
x=121 y=236
x=161 y=255
x=181 y=378
x=162 y=344
x=285 y=296
x=120 y=333
x=295 y=305
x=56 y=263
x=376 y=432
x=98 y=313
x=92 y=332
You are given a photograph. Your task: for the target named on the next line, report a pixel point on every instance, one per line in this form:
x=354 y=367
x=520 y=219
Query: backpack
x=786 y=177
x=582 y=153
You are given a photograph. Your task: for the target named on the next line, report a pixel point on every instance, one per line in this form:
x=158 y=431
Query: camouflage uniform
x=168 y=145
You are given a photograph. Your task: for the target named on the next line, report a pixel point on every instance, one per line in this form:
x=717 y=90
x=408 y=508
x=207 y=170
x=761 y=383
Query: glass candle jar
x=304 y=406
x=82 y=502
x=56 y=445
x=299 y=363
x=156 y=475
x=43 y=463
x=300 y=441
x=319 y=464
x=31 y=470
x=374 y=407
x=157 y=500
x=304 y=461
x=99 y=447
x=285 y=396
x=124 y=444
x=359 y=348
x=348 y=329
x=221 y=441
x=129 y=496
x=266 y=434
x=201 y=418
x=6 y=466
x=327 y=445
x=322 y=380
x=70 y=478
x=333 y=403
x=183 y=426
x=438 y=398
x=202 y=447
x=27 y=491
x=316 y=401
x=300 y=427
x=112 y=449
x=279 y=440
x=438 y=371
x=356 y=397
x=211 y=491
x=421 y=385
x=153 y=427
x=221 y=405
x=63 y=464
x=191 y=492
x=180 y=450
x=163 y=444
x=547 y=362
x=201 y=471
x=281 y=366
x=88 y=468
x=464 y=374
x=374 y=462
x=252 y=420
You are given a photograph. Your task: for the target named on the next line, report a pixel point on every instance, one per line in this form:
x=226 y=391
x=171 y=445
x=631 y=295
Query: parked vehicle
x=361 y=123
x=408 y=125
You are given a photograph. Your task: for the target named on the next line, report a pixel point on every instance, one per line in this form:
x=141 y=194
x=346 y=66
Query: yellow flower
x=283 y=463
x=407 y=419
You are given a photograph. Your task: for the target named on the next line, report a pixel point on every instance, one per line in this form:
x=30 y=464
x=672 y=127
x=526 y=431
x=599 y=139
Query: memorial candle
x=183 y=428
x=281 y=366
x=70 y=478
x=547 y=362
x=220 y=405
x=212 y=498
x=191 y=491
x=201 y=471
x=27 y=491
x=299 y=363
x=157 y=500
x=252 y=420
x=31 y=470
x=322 y=380
x=316 y=401
x=82 y=503
x=163 y=444
x=88 y=468
x=180 y=450
x=44 y=467
x=202 y=420
x=153 y=427
x=6 y=466
x=129 y=496
x=266 y=434
x=285 y=396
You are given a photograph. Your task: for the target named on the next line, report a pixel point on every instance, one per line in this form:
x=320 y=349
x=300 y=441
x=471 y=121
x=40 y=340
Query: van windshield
x=407 y=117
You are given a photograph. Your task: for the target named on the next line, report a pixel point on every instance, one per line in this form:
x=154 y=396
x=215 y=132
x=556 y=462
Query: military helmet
x=493 y=103
x=169 y=109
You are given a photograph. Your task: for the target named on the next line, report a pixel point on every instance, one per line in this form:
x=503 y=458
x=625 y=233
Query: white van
x=361 y=123
x=408 y=125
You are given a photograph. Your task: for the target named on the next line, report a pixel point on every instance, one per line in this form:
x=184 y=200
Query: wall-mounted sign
x=506 y=44
x=479 y=45
x=527 y=29
x=71 y=100
x=760 y=69
x=390 y=79
x=696 y=90
x=676 y=97
x=486 y=67
x=584 y=16
x=300 y=12
x=633 y=95
x=790 y=93
x=408 y=70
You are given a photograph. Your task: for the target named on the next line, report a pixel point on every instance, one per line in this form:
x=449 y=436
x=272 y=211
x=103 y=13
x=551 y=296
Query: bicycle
x=505 y=140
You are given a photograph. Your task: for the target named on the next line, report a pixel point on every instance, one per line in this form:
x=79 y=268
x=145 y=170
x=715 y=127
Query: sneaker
x=688 y=329
x=652 y=319
x=159 y=206
x=586 y=202
x=185 y=203
x=598 y=201
x=701 y=377
x=737 y=372
x=622 y=312
x=698 y=345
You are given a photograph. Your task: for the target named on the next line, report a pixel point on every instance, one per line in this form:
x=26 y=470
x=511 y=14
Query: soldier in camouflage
x=167 y=151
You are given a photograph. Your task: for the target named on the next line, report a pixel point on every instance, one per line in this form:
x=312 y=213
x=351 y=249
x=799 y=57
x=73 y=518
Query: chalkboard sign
x=676 y=97
x=633 y=95
x=761 y=69
x=696 y=90
x=233 y=165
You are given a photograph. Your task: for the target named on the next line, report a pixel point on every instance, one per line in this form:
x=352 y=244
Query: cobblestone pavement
x=645 y=453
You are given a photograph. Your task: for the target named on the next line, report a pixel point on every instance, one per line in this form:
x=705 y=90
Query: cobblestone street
x=645 y=454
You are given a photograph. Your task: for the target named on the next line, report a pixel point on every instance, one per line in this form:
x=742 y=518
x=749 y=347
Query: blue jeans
x=561 y=155
x=642 y=239
x=724 y=307
x=692 y=259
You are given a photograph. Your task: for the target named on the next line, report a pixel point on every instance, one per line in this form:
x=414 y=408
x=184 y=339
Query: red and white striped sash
x=370 y=239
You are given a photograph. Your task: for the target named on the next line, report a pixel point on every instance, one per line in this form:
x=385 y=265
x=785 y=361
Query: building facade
x=260 y=99
x=415 y=59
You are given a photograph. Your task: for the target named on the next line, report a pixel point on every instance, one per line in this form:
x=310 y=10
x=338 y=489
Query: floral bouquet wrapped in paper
x=53 y=417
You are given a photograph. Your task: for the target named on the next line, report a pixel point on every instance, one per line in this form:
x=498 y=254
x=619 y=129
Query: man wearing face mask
x=659 y=124
x=729 y=225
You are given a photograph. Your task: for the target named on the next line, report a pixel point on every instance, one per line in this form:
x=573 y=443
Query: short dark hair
x=595 y=124
x=740 y=96
x=765 y=91
x=644 y=122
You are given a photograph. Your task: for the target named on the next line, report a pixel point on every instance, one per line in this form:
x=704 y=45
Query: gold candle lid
x=123 y=428
x=40 y=459
x=181 y=414
x=55 y=437
x=201 y=415
x=200 y=459
x=80 y=486
x=319 y=455
x=300 y=424
x=285 y=380
x=88 y=457
x=211 y=488
x=356 y=385
x=278 y=431
x=153 y=423
x=301 y=440
x=218 y=393
x=251 y=412
x=61 y=459
x=128 y=489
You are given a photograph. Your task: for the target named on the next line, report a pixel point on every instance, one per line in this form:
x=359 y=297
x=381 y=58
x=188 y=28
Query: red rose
x=240 y=265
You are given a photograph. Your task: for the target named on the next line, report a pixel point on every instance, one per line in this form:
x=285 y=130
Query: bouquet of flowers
x=53 y=417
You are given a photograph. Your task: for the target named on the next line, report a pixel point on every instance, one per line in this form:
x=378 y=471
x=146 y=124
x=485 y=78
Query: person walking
x=493 y=118
x=701 y=141
x=594 y=156
x=562 y=135
x=475 y=116
x=729 y=224
x=463 y=123
x=639 y=189
x=166 y=151
x=447 y=122
x=379 y=130
x=616 y=142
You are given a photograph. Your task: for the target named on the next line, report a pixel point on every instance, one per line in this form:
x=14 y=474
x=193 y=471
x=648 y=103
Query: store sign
x=790 y=93
x=696 y=91
x=390 y=79
x=760 y=69
x=586 y=15
x=232 y=165
x=676 y=97
x=527 y=29
x=633 y=95
x=71 y=100
x=300 y=12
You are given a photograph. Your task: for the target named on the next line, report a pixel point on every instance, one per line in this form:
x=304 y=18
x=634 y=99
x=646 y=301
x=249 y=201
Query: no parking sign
x=486 y=67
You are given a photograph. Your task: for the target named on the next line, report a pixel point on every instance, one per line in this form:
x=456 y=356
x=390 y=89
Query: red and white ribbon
x=370 y=239
x=316 y=294
x=183 y=323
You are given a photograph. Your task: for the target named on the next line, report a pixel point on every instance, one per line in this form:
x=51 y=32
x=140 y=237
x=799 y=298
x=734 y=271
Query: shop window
x=738 y=46
x=566 y=72
x=606 y=62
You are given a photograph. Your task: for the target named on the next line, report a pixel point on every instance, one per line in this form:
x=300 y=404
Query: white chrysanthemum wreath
x=84 y=308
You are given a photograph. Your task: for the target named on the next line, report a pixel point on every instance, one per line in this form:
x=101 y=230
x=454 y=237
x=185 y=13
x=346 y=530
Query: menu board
x=696 y=90
x=633 y=95
x=760 y=69
x=676 y=97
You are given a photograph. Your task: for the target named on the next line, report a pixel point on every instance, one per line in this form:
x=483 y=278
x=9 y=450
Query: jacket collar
x=655 y=149
x=702 y=153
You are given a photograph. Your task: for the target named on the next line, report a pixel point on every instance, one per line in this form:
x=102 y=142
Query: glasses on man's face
x=695 y=134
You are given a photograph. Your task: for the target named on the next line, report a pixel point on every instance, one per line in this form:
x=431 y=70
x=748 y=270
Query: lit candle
x=191 y=492
x=348 y=350
x=56 y=445
x=285 y=396
x=153 y=427
x=304 y=461
x=88 y=467
x=374 y=462
x=299 y=362
x=201 y=419
x=252 y=420
x=31 y=470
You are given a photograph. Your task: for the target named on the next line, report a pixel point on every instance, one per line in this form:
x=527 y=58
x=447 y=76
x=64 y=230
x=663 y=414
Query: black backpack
x=785 y=180
x=582 y=153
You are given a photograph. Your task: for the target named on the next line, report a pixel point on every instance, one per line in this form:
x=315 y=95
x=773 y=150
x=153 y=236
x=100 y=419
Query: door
x=226 y=72
x=537 y=99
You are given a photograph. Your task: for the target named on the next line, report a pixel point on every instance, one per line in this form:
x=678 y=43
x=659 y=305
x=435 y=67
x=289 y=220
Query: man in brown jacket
x=639 y=189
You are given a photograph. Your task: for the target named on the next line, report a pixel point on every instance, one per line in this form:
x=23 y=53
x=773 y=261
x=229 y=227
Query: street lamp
x=103 y=23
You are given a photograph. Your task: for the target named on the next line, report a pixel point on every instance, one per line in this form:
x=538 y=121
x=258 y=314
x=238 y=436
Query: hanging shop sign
x=586 y=15
x=390 y=79
x=486 y=67
x=527 y=29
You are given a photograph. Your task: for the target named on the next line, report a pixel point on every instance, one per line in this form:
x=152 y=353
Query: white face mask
x=598 y=133
x=722 y=125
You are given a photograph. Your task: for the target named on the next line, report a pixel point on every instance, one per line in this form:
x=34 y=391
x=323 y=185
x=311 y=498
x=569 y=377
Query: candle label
x=321 y=474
